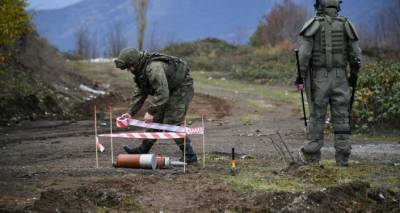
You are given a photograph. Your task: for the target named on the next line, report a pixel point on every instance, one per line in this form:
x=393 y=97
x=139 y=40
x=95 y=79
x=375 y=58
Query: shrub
x=14 y=22
x=262 y=65
x=377 y=101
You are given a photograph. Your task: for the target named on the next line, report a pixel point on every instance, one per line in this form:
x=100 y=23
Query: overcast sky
x=49 y=4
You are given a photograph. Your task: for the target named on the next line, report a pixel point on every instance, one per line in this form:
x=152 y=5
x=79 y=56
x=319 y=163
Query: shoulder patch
x=350 y=31
x=310 y=27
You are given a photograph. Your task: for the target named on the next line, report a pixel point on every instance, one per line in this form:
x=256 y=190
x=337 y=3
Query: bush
x=262 y=65
x=14 y=22
x=377 y=101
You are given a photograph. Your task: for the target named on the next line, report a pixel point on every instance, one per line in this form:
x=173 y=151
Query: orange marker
x=233 y=163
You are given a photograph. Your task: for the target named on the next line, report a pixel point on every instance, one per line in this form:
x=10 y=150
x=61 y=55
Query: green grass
x=249 y=117
x=276 y=93
x=269 y=178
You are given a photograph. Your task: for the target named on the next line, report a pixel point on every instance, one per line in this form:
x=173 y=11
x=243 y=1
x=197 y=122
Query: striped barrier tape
x=123 y=122
x=147 y=135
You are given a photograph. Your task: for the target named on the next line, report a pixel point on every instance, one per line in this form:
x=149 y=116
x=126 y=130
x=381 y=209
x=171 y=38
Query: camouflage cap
x=127 y=57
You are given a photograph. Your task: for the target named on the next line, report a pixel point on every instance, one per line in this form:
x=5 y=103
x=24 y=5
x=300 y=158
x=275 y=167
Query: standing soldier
x=329 y=43
x=168 y=80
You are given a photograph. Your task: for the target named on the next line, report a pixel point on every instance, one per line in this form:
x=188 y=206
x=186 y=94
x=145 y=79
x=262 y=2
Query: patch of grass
x=131 y=204
x=193 y=117
x=273 y=178
x=276 y=93
x=101 y=70
x=248 y=118
x=259 y=105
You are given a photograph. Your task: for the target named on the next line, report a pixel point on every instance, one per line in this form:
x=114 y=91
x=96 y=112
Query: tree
x=388 y=26
x=282 y=24
x=116 y=40
x=140 y=7
x=83 y=47
x=14 y=22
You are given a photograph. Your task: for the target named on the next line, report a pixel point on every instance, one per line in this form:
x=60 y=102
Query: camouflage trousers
x=174 y=111
x=329 y=88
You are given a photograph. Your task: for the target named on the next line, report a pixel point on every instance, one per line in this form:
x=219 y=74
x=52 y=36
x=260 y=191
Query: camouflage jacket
x=158 y=76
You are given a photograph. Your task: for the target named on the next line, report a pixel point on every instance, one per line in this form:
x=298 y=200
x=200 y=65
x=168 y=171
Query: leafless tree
x=83 y=42
x=283 y=23
x=153 y=42
x=94 y=45
x=388 y=26
x=116 y=41
x=140 y=7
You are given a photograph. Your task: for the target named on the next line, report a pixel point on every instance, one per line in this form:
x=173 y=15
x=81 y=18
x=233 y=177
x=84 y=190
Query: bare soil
x=49 y=166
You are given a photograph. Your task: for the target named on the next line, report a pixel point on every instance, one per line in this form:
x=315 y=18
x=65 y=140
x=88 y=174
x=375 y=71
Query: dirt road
x=49 y=166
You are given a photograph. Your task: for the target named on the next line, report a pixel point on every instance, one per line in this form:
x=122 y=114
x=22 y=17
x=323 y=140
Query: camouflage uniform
x=168 y=80
x=328 y=44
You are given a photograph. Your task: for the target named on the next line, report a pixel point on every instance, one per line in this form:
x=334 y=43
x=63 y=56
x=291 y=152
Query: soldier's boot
x=342 y=159
x=191 y=156
x=309 y=159
x=144 y=148
x=343 y=148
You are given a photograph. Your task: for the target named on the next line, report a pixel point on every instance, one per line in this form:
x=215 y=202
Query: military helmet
x=127 y=57
x=321 y=5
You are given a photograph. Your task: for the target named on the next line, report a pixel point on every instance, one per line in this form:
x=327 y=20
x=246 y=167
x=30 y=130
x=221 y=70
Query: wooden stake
x=204 y=152
x=184 y=149
x=95 y=134
x=111 y=138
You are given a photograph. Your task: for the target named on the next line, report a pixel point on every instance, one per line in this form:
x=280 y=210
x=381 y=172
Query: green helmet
x=128 y=57
x=321 y=5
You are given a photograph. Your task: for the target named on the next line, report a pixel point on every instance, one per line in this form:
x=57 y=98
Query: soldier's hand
x=300 y=87
x=299 y=83
x=126 y=115
x=148 y=118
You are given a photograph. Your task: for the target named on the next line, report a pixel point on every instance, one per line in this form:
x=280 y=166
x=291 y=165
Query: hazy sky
x=49 y=4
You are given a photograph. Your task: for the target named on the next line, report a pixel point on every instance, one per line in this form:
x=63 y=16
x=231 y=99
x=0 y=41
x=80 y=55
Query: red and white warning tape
x=147 y=135
x=123 y=122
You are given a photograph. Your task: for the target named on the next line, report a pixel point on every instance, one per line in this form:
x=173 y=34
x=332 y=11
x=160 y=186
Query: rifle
x=355 y=69
x=299 y=78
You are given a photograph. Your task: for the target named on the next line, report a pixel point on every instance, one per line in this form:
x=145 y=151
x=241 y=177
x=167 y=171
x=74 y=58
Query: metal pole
x=111 y=138
x=204 y=152
x=301 y=91
x=95 y=134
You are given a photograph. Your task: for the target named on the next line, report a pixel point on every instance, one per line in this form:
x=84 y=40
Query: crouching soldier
x=168 y=80
x=329 y=43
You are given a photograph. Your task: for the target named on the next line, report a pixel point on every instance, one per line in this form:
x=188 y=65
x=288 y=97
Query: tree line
x=283 y=23
x=87 y=45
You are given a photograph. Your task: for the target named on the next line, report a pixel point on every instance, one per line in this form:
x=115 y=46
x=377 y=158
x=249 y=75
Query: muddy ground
x=49 y=166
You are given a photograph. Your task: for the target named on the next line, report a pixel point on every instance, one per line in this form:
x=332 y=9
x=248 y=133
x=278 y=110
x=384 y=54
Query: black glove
x=353 y=79
x=299 y=80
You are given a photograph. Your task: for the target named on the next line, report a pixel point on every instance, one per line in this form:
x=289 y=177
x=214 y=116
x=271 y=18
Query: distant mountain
x=171 y=20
